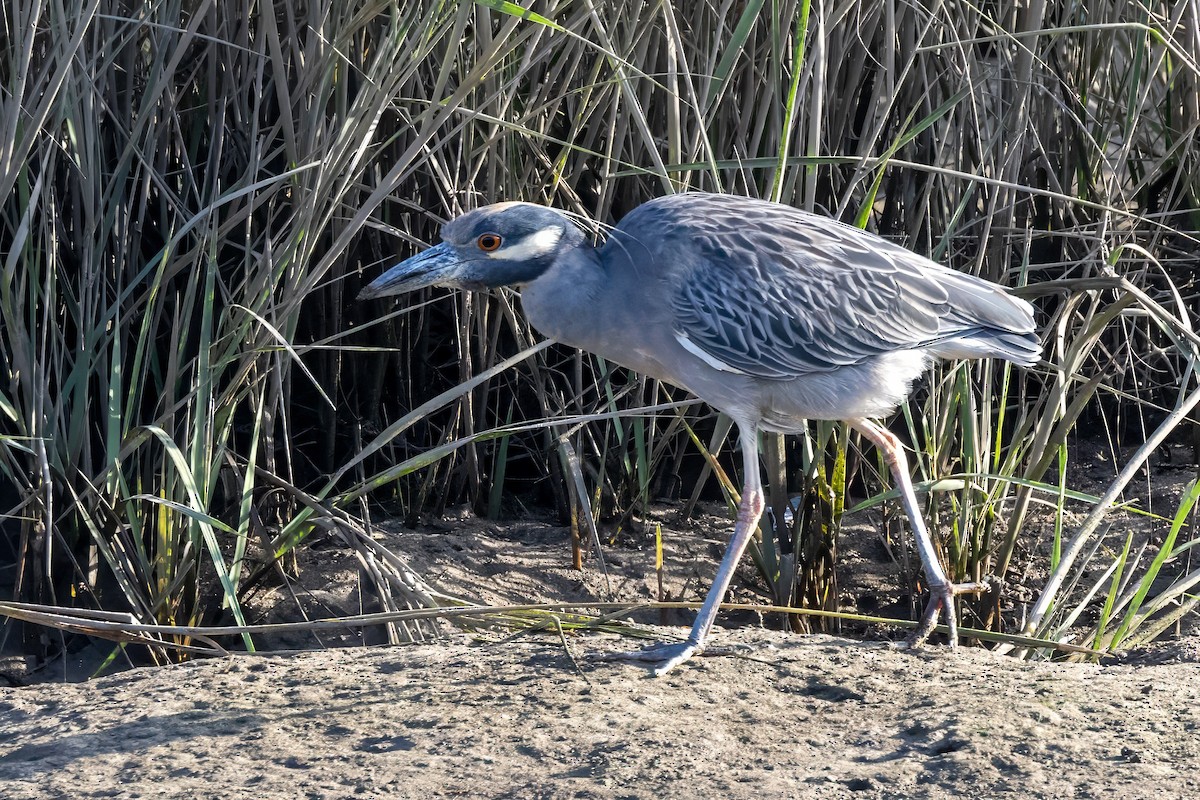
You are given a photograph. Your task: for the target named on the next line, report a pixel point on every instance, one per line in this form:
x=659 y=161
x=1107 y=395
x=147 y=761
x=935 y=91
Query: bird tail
x=1020 y=348
x=988 y=323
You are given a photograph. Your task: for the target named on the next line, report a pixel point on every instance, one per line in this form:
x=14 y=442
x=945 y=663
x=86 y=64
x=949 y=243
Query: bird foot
x=664 y=657
x=941 y=597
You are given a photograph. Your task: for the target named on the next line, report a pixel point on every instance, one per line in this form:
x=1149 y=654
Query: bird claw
x=664 y=657
x=941 y=597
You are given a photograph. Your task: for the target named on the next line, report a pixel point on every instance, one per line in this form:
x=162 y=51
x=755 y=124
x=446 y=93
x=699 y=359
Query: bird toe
x=661 y=657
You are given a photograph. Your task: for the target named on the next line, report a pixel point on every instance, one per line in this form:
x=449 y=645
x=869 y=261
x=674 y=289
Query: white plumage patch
x=707 y=358
x=535 y=244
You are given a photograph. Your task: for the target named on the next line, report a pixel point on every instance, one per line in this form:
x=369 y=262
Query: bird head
x=499 y=245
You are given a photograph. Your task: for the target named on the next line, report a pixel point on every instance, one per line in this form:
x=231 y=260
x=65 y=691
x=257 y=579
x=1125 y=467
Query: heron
x=768 y=313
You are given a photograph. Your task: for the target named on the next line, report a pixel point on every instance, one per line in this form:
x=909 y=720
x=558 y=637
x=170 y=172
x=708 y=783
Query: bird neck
x=563 y=301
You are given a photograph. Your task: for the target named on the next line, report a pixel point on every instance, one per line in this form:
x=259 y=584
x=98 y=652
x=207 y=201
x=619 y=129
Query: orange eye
x=489 y=242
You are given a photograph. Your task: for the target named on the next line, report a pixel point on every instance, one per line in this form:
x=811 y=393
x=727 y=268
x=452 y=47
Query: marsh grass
x=194 y=192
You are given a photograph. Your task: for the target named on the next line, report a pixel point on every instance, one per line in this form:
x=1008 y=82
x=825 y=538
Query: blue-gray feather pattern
x=777 y=293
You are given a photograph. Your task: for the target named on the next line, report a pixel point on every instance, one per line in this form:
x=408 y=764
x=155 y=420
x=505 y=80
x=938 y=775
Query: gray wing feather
x=817 y=323
x=776 y=293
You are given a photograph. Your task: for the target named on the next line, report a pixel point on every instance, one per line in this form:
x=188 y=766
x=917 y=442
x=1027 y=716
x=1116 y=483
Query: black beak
x=435 y=266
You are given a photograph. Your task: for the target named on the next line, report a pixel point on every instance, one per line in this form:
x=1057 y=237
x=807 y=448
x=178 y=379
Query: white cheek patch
x=707 y=358
x=533 y=245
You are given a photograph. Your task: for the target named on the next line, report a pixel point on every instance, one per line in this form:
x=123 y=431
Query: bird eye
x=489 y=242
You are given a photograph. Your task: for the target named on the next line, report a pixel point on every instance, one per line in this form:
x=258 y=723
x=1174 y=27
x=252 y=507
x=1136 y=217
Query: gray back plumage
x=777 y=293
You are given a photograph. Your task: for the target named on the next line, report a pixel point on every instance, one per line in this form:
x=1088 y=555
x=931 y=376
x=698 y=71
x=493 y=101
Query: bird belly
x=871 y=389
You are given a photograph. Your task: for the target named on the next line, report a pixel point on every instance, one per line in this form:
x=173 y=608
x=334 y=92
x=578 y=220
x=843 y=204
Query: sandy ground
x=462 y=716
x=800 y=716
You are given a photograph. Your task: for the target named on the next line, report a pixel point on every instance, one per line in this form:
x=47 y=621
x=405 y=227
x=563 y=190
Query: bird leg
x=942 y=592
x=667 y=656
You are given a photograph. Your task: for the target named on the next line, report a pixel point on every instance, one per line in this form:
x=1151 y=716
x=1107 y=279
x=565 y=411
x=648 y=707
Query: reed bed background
x=193 y=193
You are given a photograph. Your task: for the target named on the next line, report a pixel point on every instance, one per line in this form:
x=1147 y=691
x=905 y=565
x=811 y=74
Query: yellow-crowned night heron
x=770 y=314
